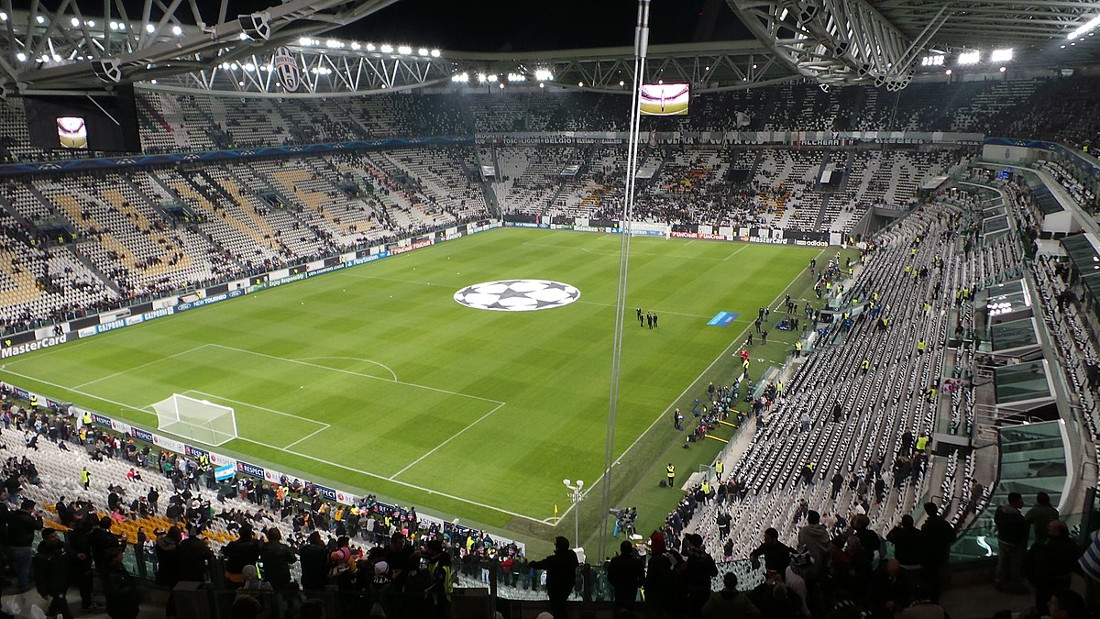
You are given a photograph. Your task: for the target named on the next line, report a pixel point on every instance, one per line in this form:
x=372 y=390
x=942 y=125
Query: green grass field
x=374 y=378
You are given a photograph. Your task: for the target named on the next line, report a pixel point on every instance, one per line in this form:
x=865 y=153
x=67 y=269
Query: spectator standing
x=245 y=550
x=698 y=572
x=1039 y=518
x=1053 y=562
x=168 y=565
x=560 y=568
x=626 y=573
x=22 y=525
x=51 y=574
x=119 y=587
x=939 y=535
x=277 y=558
x=314 y=557
x=729 y=603
x=1012 y=533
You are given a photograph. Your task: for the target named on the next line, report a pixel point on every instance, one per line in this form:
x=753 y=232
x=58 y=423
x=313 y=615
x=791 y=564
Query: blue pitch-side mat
x=723 y=319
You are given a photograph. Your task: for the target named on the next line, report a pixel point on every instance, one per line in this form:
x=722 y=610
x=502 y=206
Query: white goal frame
x=198 y=420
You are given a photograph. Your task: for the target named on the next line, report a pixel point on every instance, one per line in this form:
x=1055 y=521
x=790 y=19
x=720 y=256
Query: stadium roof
x=66 y=44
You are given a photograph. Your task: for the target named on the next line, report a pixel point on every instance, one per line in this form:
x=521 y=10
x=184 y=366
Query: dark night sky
x=509 y=25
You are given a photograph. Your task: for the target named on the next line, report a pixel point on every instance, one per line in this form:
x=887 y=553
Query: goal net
x=198 y=420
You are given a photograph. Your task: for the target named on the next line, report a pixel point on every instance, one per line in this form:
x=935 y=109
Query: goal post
x=198 y=420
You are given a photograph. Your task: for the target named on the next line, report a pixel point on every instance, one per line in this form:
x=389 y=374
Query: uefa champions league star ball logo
x=517 y=295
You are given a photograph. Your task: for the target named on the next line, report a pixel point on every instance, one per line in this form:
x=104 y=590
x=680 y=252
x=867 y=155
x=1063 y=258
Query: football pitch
x=374 y=379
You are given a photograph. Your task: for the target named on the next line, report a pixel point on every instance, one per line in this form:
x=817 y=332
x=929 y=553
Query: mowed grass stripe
x=397 y=317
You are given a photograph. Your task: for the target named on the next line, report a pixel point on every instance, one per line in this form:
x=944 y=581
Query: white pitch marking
x=402 y=483
x=449 y=439
x=382 y=365
x=360 y=374
x=138 y=367
x=262 y=408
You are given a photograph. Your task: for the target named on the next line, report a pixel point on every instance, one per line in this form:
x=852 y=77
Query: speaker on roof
x=255 y=26
x=109 y=71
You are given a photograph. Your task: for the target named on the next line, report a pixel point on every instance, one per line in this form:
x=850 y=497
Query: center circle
x=517 y=295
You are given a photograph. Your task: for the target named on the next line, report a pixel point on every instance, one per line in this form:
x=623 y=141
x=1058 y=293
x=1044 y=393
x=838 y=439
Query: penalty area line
x=449 y=439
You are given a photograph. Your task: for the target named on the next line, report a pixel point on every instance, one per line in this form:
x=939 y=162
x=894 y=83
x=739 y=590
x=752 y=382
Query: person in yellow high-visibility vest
x=920 y=346
x=798 y=348
x=922 y=442
x=719 y=468
x=670 y=473
x=85 y=478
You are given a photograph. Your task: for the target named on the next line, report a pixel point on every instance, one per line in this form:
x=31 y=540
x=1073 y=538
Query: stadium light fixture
x=90 y=23
x=435 y=53
x=481 y=78
x=75 y=22
x=423 y=51
x=370 y=47
x=242 y=37
x=544 y=75
x=176 y=30
x=355 y=45
x=1086 y=27
x=3 y=16
x=463 y=78
x=1003 y=69
x=948 y=71
x=149 y=28
x=39 y=19
x=404 y=50
x=934 y=60
x=386 y=48
x=21 y=57
x=968 y=58
x=1001 y=55
x=517 y=77
x=492 y=77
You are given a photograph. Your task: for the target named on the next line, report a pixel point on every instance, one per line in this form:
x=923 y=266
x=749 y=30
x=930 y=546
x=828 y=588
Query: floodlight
x=386 y=48
x=423 y=51
x=1086 y=27
x=150 y=28
x=1000 y=55
x=90 y=23
x=481 y=77
x=435 y=53
x=543 y=75
x=404 y=49
x=176 y=30
x=21 y=57
x=492 y=77
x=461 y=77
x=75 y=22
x=39 y=19
x=355 y=45
x=969 y=58
x=3 y=16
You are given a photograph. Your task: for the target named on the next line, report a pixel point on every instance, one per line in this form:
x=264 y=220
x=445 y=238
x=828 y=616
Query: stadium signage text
x=417 y=245
x=45 y=342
